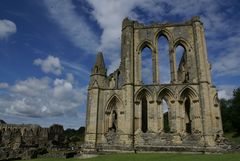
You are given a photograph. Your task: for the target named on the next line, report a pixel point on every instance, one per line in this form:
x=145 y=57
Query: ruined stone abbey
x=123 y=113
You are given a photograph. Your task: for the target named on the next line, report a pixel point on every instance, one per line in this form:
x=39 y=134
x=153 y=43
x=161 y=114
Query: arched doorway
x=112 y=115
x=189 y=111
x=143 y=110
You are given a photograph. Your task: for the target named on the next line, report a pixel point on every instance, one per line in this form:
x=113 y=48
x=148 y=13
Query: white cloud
x=61 y=88
x=109 y=15
x=73 y=25
x=70 y=77
x=31 y=86
x=113 y=65
x=223 y=94
x=3 y=85
x=227 y=63
x=43 y=97
x=76 y=68
x=226 y=91
x=50 y=65
x=7 y=28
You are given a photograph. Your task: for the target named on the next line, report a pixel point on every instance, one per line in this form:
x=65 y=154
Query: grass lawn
x=156 y=157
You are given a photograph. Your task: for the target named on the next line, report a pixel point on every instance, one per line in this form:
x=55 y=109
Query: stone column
x=173 y=116
x=129 y=113
x=172 y=59
x=196 y=117
x=137 y=117
x=151 y=118
x=91 y=124
x=200 y=53
x=155 y=66
x=159 y=116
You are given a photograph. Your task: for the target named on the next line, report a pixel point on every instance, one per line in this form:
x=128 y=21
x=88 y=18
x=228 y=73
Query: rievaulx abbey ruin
x=125 y=114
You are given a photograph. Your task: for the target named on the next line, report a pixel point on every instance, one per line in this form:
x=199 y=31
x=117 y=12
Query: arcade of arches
x=160 y=96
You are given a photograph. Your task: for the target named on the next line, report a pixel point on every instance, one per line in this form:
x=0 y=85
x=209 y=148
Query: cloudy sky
x=47 y=49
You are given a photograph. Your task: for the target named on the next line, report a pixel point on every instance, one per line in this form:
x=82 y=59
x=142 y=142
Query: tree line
x=230 y=110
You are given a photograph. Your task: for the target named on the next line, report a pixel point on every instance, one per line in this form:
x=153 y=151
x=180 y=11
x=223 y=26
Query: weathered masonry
x=123 y=113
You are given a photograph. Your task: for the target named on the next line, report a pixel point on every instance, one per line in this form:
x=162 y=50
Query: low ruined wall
x=16 y=140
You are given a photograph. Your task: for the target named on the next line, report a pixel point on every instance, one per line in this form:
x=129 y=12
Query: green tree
x=226 y=111
x=236 y=110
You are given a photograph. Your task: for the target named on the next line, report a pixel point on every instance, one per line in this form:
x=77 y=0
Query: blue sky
x=47 y=49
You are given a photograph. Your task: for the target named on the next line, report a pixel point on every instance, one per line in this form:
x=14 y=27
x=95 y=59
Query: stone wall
x=21 y=141
x=123 y=112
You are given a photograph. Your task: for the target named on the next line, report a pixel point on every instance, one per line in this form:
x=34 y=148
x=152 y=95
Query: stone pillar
x=155 y=116
x=178 y=109
x=127 y=50
x=100 y=118
x=172 y=59
x=181 y=116
x=128 y=98
x=151 y=121
x=173 y=116
x=155 y=66
x=206 y=63
x=128 y=60
x=159 y=116
x=200 y=51
x=196 y=116
x=91 y=122
x=137 y=117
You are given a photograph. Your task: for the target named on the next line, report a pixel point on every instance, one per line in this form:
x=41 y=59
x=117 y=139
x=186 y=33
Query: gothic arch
x=165 y=33
x=165 y=93
x=144 y=92
x=182 y=42
x=189 y=110
x=141 y=61
x=113 y=99
x=112 y=114
x=188 y=92
x=143 y=44
x=165 y=98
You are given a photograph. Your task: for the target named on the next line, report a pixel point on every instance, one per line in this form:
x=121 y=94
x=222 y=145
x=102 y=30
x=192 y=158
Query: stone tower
x=125 y=114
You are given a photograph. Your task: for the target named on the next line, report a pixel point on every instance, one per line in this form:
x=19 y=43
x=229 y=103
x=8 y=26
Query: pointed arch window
x=146 y=66
x=182 y=71
x=163 y=60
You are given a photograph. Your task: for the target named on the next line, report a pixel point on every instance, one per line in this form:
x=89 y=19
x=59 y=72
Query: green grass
x=156 y=157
